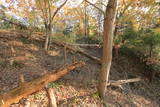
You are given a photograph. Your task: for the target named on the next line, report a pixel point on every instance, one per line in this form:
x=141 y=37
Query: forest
x=79 y=53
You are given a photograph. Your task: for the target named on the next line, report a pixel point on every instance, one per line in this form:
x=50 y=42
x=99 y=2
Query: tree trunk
x=65 y=55
x=85 y=20
x=46 y=42
x=107 y=46
x=48 y=34
x=151 y=49
x=99 y=17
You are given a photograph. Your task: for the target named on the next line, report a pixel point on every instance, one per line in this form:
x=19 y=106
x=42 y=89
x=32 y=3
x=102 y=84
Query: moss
x=54 y=85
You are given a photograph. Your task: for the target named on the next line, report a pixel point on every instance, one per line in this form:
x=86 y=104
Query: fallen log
x=51 y=97
x=120 y=82
x=98 y=60
x=111 y=82
x=85 y=45
x=28 y=88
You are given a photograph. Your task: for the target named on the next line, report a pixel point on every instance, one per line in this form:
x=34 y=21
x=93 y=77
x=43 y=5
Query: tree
x=46 y=7
x=107 y=46
x=152 y=40
x=86 y=19
x=8 y=19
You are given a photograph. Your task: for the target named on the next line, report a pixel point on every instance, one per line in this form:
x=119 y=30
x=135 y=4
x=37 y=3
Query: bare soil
x=20 y=54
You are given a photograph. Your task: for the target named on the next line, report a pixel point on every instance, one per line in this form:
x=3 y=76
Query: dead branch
x=120 y=82
x=55 y=13
x=51 y=97
x=95 y=6
x=28 y=88
x=89 y=45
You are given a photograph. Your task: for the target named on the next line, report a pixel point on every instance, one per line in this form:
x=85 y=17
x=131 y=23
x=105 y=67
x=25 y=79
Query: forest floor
x=77 y=88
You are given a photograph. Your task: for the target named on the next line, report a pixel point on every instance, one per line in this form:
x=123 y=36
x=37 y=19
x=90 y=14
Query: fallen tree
x=111 y=82
x=98 y=60
x=86 y=45
x=28 y=88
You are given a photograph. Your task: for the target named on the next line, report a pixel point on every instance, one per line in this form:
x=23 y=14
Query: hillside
x=22 y=55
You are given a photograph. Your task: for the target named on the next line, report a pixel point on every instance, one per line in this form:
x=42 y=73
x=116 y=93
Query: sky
x=70 y=3
x=3 y=2
x=75 y=3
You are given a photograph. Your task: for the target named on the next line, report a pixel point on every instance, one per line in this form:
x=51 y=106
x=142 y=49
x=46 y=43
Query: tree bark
x=151 y=50
x=120 y=82
x=46 y=42
x=85 y=45
x=28 y=88
x=48 y=35
x=51 y=97
x=107 y=46
x=65 y=55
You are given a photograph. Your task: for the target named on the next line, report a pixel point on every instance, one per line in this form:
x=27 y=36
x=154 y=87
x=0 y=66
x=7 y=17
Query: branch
x=102 y=4
x=43 y=13
x=95 y=6
x=126 y=7
x=89 y=45
x=120 y=82
x=50 y=13
x=58 y=10
x=51 y=97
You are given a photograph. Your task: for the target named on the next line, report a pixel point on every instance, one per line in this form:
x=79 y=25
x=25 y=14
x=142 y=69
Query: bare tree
x=107 y=46
x=48 y=15
x=109 y=21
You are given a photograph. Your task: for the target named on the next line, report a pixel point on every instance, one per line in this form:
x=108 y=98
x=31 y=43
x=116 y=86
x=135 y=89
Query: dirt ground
x=22 y=55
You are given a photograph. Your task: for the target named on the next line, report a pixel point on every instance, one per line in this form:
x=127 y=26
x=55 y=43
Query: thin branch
x=50 y=13
x=95 y=6
x=45 y=9
x=126 y=7
x=58 y=10
x=43 y=13
x=90 y=45
x=102 y=4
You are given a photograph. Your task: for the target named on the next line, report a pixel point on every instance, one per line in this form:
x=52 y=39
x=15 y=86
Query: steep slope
x=22 y=55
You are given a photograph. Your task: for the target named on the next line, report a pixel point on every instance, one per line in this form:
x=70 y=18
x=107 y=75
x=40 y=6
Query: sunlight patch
x=53 y=53
x=16 y=43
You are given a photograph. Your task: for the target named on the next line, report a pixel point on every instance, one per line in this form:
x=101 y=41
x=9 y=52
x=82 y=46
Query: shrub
x=89 y=40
